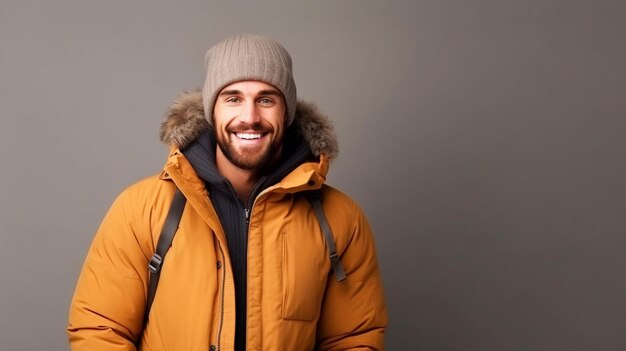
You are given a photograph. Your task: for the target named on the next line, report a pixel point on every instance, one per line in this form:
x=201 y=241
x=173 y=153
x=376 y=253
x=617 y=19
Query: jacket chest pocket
x=305 y=271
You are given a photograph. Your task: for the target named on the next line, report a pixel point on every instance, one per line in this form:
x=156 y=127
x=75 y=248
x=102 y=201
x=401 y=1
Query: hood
x=185 y=122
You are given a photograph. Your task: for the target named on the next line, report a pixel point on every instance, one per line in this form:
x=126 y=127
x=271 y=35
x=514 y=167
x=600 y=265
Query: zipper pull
x=247 y=214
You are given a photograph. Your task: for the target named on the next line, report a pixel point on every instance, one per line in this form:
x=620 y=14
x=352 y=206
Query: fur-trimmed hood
x=185 y=122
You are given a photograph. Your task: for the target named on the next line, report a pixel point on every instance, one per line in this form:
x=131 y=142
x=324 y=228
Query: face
x=249 y=121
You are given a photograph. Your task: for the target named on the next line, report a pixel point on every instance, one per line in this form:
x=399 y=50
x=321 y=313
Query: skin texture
x=245 y=109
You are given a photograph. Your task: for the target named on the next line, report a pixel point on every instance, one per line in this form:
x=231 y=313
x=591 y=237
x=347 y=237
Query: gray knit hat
x=248 y=57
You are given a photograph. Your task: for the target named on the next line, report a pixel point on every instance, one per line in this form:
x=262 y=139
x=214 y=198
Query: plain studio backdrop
x=485 y=140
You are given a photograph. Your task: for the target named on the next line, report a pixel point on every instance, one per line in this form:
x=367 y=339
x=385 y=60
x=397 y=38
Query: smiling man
x=265 y=256
x=249 y=120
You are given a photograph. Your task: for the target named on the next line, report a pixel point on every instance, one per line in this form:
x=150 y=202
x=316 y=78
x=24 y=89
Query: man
x=249 y=267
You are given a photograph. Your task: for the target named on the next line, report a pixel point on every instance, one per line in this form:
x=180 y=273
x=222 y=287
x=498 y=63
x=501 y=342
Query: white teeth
x=248 y=136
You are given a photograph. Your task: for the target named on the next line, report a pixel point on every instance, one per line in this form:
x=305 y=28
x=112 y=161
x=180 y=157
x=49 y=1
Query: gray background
x=485 y=140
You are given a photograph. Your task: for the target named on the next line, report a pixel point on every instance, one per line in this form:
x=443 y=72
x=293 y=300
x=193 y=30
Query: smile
x=249 y=136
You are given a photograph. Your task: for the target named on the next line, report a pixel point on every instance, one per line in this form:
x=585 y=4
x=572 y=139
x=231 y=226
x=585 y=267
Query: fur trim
x=185 y=121
x=316 y=129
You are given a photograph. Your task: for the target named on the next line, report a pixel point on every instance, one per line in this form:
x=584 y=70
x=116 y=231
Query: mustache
x=247 y=127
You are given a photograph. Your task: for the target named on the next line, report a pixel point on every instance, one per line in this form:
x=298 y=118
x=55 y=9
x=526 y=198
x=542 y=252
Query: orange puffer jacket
x=294 y=301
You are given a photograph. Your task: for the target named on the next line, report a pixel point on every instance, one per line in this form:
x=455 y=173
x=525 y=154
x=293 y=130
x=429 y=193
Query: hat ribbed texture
x=248 y=57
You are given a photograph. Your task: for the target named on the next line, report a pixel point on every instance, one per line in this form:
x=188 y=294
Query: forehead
x=250 y=87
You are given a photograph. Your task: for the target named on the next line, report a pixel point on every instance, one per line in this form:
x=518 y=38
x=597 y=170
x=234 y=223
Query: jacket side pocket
x=304 y=278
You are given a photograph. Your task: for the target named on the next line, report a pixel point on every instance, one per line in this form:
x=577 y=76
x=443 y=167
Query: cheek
x=221 y=117
x=279 y=129
x=279 y=119
x=221 y=123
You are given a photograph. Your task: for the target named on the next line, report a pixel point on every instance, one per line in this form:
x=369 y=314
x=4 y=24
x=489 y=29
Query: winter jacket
x=294 y=302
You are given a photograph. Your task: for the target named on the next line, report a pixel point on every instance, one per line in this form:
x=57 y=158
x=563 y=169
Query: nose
x=249 y=113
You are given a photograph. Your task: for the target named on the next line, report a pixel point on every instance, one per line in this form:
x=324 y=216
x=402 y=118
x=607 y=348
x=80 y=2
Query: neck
x=241 y=179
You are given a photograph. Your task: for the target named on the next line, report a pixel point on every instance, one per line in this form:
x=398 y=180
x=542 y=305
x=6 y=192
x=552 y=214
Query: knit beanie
x=248 y=57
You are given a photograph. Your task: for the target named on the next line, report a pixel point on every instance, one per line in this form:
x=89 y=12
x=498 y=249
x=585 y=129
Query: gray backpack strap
x=165 y=241
x=316 y=199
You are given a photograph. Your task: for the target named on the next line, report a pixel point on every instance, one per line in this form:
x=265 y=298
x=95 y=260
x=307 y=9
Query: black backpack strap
x=163 y=245
x=315 y=197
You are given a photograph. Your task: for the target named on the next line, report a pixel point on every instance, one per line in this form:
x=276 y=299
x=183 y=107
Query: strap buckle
x=335 y=262
x=155 y=263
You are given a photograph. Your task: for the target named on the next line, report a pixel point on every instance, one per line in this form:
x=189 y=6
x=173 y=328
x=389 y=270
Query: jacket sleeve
x=107 y=309
x=354 y=315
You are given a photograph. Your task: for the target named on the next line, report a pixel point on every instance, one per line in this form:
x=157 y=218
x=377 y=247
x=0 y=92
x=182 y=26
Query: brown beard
x=247 y=158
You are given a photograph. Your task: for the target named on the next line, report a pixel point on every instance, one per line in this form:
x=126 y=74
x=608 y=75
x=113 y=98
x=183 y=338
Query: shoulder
x=146 y=191
x=343 y=212
x=144 y=201
x=135 y=213
x=351 y=230
x=334 y=200
x=146 y=186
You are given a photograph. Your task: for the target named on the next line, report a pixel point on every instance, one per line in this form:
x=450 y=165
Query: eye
x=266 y=101
x=233 y=99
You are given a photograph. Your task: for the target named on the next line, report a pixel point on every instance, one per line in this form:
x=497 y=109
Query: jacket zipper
x=247 y=213
x=219 y=330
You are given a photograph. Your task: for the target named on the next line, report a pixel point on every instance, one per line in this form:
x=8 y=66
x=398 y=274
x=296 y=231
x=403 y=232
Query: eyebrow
x=262 y=92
